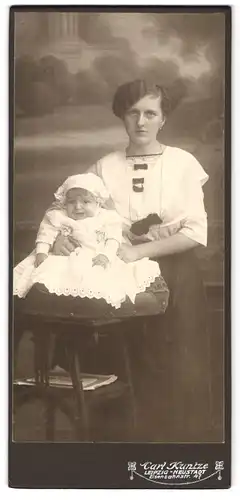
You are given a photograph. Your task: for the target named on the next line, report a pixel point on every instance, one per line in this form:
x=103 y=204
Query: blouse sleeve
x=96 y=169
x=194 y=222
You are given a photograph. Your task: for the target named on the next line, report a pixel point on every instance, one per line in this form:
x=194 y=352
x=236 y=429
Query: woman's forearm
x=166 y=246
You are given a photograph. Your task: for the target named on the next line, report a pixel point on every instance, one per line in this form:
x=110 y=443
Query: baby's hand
x=100 y=260
x=40 y=258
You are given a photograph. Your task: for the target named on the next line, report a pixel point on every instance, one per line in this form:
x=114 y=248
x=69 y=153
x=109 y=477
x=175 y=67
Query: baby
x=80 y=199
x=93 y=270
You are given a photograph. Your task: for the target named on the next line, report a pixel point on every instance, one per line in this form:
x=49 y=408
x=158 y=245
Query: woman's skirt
x=173 y=374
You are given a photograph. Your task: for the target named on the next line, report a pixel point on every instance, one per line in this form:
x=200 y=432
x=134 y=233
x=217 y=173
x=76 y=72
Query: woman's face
x=80 y=204
x=143 y=120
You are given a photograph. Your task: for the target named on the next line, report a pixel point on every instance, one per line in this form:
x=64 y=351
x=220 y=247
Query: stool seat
x=39 y=301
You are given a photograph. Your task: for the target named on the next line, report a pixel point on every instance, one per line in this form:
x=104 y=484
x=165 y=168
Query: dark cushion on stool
x=39 y=301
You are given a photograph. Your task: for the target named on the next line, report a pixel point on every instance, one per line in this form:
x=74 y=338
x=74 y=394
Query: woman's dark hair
x=130 y=93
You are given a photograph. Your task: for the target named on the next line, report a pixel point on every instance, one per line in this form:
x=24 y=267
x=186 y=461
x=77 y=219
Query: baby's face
x=80 y=204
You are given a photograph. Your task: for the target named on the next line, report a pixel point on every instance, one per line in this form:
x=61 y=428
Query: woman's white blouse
x=172 y=189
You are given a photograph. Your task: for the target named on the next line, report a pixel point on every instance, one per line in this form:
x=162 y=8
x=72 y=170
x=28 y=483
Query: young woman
x=172 y=357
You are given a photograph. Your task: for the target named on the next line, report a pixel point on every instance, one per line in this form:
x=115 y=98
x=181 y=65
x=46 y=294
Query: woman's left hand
x=128 y=253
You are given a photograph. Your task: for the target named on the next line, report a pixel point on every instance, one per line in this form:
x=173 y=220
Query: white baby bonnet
x=89 y=181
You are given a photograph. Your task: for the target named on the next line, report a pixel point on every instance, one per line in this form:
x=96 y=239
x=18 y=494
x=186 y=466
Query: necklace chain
x=145 y=156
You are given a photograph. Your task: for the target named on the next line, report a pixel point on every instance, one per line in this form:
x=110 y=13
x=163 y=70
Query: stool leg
x=37 y=356
x=42 y=346
x=50 y=412
x=82 y=412
x=130 y=382
x=17 y=336
x=50 y=419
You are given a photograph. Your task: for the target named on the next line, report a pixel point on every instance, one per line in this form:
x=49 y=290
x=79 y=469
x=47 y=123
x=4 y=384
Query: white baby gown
x=75 y=275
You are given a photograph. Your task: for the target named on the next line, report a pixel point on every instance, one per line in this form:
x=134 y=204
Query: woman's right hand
x=143 y=238
x=157 y=232
x=64 y=245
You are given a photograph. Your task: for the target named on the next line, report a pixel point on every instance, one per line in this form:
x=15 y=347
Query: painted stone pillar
x=62 y=38
x=62 y=27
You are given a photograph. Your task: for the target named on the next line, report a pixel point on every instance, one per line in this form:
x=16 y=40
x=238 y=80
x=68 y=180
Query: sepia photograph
x=118 y=171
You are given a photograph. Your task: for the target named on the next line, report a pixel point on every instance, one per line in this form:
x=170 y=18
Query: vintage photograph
x=118 y=182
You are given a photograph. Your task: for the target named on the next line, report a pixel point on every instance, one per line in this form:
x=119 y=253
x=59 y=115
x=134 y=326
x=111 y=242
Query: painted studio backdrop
x=67 y=68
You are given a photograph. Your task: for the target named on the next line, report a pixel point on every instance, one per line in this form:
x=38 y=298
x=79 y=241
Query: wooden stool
x=48 y=319
x=45 y=331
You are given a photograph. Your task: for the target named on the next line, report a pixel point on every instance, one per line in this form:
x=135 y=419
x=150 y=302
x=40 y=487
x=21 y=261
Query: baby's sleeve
x=48 y=231
x=194 y=222
x=113 y=233
x=114 y=226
